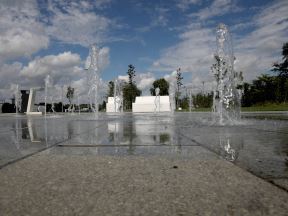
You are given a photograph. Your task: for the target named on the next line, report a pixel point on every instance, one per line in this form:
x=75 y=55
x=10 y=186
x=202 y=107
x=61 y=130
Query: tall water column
x=226 y=100
x=93 y=77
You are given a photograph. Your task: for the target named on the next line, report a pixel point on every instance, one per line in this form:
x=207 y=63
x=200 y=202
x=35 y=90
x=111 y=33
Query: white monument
x=147 y=104
x=31 y=109
x=114 y=105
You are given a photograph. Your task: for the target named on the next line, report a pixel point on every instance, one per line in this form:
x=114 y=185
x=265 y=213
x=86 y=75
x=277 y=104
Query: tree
x=162 y=84
x=282 y=68
x=202 y=100
x=70 y=94
x=131 y=73
x=130 y=90
x=111 y=86
x=8 y=108
x=179 y=79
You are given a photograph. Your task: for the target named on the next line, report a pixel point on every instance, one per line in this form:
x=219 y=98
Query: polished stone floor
x=259 y=143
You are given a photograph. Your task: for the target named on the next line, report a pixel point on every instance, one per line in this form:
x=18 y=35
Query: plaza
x=143 y=164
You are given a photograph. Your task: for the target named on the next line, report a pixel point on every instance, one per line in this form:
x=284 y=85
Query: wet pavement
x=257 y=144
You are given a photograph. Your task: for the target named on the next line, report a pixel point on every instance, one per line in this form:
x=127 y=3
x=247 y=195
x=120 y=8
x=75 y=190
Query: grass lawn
x=266 y=107
x=254 y=108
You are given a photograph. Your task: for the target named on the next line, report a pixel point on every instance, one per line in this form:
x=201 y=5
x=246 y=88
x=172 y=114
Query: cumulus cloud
x=123 y=78
x=159 y=18
x=64 y=66
x=217 y=8
x=10 y=74
x=185 y=4
x=77 y=23
x=144 y=80
x=21 y=34
x=255 y=52
x=103 y=61
x=194 y=53
x=50 y=64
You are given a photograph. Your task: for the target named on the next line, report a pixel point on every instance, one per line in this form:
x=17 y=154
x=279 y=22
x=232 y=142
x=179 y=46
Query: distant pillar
x=24 y=100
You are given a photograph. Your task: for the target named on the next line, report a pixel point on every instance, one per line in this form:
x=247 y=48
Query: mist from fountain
x=172 y=91
x=226 y=99
x=118 y=96
x=48 y=83
x=157 y=100
x=17 y=99
x=78 y=103
x=93 y=78
x=190 y=100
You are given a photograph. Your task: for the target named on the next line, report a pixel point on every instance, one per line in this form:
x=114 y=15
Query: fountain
x=118 y=96
x=172 y=91
x=93 y=77
x=190 y=100
x=78 y=103
x=226 y=99
x=157 y=100
x=17 y=99
x=47 y=85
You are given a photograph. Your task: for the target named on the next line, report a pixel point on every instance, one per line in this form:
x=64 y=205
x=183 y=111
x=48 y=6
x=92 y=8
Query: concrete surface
x=143 y=164
x=46 y=184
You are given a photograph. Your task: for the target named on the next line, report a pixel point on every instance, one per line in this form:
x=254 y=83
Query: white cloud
x=10 y=74
x=21 y=34
x=64 y=66
x=194 y=53
x=100 y=4
x=159 y=18
x=255 y=52
x=123 y=78
x=144 y=81
x=185 y=4
x=170 y=77
x=104 y=57
x=217 y=8
x=78 y=24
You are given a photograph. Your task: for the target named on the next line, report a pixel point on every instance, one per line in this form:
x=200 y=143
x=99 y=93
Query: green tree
x=131 y=73
x=70 y=94
x=202 y=100
x=130 y=90
x=111 y=89
x=282 y=68
x=162 y=84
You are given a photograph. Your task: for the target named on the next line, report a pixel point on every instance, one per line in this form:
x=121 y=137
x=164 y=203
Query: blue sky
x=41 y=37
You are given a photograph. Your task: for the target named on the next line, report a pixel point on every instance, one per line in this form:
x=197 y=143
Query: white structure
x=113 y=106
x=31 y=101
x=147 y=104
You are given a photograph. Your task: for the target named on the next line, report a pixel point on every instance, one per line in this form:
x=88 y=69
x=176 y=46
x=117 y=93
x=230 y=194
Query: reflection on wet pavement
x=257 y=145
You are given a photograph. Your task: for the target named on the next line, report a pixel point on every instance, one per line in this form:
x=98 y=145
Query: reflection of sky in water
x=258 y=145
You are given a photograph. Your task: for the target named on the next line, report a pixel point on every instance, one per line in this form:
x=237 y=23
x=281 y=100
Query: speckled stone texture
x=46 y=184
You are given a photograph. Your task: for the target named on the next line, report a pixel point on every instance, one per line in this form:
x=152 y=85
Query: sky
x=52 y=37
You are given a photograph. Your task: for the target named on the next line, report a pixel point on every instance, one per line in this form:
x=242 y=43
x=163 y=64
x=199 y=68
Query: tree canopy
x=162 y=84
x=130 y=90
x=131 y=73
x=111 y=89
x=70 y=94
x=282 y=68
